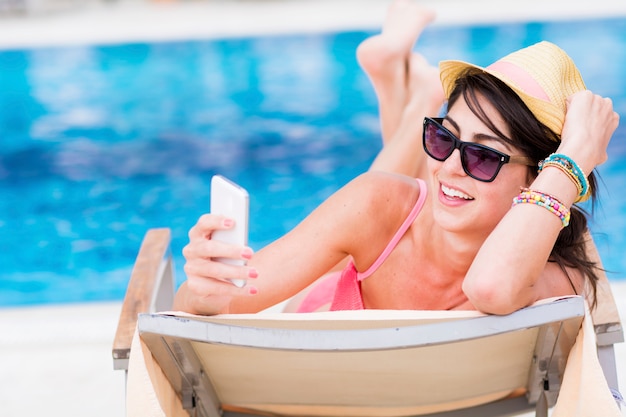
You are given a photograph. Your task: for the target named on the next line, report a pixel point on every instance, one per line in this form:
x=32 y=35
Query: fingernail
x=252 y=290
x=247 y=253
x=228 y=222
x=253 y=273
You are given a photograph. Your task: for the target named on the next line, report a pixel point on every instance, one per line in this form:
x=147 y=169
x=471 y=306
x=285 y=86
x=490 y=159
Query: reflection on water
x=101 y=143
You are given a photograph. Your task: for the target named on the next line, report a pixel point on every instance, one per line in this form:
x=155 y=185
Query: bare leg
x=386 y=57
x=404 y=152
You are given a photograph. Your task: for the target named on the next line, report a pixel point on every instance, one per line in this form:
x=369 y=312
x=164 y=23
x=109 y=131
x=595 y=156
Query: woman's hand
x=589 y=124
x=208 y=289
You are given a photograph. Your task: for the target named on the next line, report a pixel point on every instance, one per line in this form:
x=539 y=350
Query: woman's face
x=462 y=203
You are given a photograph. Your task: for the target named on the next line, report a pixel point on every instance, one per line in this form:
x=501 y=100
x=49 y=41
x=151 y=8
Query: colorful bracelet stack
x=571 y=169
x=551 y=203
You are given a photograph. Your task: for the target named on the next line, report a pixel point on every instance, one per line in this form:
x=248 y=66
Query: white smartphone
x=231 y=200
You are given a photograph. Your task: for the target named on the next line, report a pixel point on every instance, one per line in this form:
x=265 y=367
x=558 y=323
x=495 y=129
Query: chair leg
x=606 y=355
x=541 y=409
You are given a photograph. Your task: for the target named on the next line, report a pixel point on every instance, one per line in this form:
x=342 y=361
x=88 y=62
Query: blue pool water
x=101 y=143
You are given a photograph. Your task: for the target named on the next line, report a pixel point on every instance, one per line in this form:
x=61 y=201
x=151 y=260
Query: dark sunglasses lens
x=437 y=142
x=481 y=163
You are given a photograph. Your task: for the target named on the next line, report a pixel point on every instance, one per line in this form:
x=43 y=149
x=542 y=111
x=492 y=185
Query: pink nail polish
x=228 y=223
x=247 y=253
x=253 y=273
x=253 y=290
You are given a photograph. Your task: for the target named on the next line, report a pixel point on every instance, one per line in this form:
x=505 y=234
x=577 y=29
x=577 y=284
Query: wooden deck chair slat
x=150 y=288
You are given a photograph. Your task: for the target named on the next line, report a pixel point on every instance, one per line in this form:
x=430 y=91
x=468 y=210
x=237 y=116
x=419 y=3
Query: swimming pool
x=101 y=143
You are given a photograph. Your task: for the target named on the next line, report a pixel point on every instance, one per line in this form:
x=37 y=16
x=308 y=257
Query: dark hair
x=536 y=141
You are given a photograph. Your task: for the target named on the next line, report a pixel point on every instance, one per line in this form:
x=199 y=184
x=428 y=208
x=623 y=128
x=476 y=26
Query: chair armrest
x=150 y=289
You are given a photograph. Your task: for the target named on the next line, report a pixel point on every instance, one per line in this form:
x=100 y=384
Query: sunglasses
x=478 y=161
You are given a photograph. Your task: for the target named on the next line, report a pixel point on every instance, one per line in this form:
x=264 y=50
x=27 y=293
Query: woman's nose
x=453 y=163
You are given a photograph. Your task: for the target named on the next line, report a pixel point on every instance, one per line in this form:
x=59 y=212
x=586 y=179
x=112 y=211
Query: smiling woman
x=445 y=241
x=100 y=143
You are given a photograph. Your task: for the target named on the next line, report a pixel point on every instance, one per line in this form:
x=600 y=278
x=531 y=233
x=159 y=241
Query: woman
x=454 y=241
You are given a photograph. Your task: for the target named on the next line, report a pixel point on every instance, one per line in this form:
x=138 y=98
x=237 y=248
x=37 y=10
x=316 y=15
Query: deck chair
x=365 y=363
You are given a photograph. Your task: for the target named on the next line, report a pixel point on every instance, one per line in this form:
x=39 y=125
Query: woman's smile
x=450 y=192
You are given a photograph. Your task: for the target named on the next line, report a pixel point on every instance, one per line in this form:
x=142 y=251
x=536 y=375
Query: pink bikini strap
x=396 y=238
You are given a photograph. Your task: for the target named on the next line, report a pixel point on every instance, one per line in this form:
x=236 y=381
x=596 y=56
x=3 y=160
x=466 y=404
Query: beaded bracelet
x=547 y=201
x=571 y=169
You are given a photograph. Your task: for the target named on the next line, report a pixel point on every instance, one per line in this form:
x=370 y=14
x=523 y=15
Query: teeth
x=450 y=192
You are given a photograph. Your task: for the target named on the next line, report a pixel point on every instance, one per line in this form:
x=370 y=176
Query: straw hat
x=542 y=75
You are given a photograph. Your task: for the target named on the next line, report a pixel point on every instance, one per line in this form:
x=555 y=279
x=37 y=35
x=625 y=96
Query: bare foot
x=386 y=57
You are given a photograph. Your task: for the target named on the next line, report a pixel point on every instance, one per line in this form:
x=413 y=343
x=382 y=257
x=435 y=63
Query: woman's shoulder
x=380 y=202
x=387 y=194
